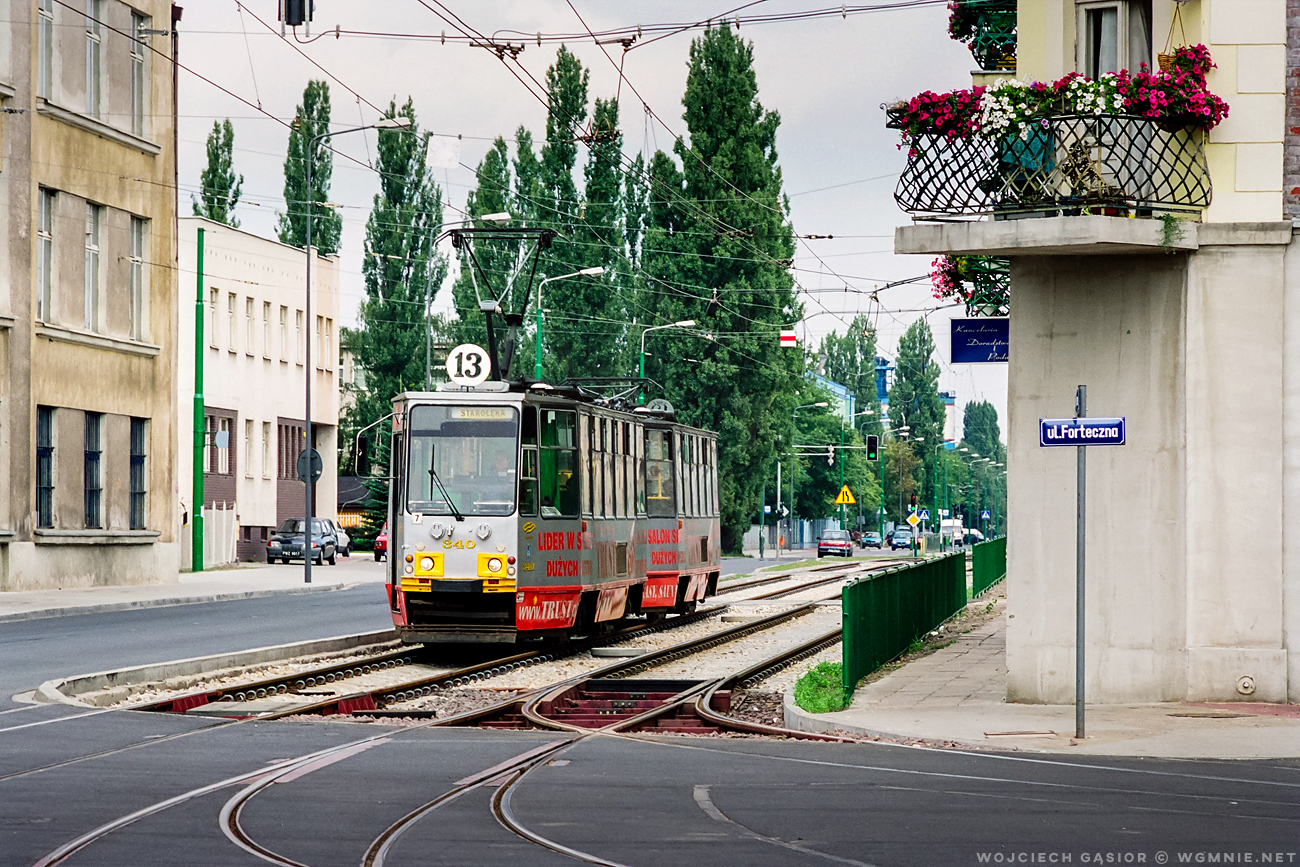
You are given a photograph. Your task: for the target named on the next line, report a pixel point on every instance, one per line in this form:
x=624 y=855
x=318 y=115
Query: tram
x=521 y=510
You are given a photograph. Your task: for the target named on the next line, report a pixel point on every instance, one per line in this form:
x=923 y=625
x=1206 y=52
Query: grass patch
x=821 y=689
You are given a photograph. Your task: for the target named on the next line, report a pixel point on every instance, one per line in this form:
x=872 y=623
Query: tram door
x=396 y=487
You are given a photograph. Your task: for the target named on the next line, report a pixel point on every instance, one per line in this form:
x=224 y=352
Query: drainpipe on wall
x=196 y=517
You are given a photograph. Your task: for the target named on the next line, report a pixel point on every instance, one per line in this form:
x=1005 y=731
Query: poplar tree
x=402 y=269
x=914 y=400
x=311 y=119
x=717 y=251
x=219 y=186
x=851 y=361
x=490 y=196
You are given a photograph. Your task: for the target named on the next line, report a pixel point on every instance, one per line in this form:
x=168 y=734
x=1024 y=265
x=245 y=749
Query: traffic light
x=830 y=455
x=297 y=12
x=873 y=448
x=912 y=508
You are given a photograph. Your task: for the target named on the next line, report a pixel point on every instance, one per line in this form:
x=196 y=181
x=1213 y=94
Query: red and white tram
x=522 y=510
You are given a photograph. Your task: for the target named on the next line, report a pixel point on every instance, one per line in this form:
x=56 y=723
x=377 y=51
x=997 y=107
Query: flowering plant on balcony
x=988 y=28
x=982 y=283
x=1011 y=107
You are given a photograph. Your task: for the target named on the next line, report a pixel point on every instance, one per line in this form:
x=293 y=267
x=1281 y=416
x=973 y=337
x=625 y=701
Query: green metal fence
x=989 y=564
x=886 y=612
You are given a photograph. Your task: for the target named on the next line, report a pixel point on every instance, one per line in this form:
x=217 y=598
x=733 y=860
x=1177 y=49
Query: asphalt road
x=34 y=651
x=634 y=801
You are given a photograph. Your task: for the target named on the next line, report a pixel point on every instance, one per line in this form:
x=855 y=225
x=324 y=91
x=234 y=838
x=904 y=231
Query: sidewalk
x=957 y=695
x=246 y=581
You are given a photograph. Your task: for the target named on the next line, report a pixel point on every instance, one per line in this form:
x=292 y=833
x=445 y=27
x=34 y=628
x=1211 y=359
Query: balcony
x=1065 y=165
x=988 y=28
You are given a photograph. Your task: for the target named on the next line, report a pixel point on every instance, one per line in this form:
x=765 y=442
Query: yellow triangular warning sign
x=845 y=498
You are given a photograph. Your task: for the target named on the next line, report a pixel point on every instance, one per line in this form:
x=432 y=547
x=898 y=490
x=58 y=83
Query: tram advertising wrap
x=519 y=513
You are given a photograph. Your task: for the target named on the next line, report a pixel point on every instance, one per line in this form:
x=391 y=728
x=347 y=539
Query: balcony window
x=1113 y=35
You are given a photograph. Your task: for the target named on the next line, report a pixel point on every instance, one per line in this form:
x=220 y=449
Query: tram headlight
x=494 y=565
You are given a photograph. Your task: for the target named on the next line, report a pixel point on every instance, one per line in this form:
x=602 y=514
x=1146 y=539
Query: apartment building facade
x=87 y=311
x=255 y=336
x=1179 y=307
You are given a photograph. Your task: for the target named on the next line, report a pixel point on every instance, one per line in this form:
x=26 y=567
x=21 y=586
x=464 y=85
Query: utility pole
x=196 y=491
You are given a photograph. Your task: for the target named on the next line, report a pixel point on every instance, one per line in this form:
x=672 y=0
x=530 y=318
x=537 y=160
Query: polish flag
x=789 y=338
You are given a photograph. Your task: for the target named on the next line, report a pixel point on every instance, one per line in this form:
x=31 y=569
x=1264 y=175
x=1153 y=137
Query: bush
x=821 y=689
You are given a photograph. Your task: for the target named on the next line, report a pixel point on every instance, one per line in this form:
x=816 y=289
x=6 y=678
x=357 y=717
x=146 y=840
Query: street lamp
x=585 y=272
x=685 y=323
x=794 y=459
x=383 y=123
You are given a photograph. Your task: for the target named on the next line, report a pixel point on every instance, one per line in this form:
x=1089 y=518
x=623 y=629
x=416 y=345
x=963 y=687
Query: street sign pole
x=1080 y=411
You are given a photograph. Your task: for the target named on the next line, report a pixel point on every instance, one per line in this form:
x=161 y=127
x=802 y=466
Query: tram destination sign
x=1081 y=432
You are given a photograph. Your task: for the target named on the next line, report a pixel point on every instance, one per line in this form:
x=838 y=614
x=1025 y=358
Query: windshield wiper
x=433 y=476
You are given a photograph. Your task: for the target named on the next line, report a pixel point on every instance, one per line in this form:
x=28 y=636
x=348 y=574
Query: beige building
x=1190 y=330
x=255 y=337
x=87 y=298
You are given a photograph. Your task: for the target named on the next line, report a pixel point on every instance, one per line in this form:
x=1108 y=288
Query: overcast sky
x=826 y=77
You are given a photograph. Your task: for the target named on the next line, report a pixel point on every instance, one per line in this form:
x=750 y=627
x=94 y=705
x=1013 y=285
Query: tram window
x=467 y=455
x=590 y=464
x=638 y=439
x=659 y=476
x=558 y=465
x=528 y=469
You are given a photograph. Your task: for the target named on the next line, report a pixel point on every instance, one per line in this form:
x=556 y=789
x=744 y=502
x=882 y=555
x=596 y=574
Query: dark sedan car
x=835 y=542
x=286 y=542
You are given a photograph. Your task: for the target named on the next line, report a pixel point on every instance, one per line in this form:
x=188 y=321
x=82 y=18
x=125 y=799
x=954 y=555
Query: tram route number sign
x=310 y=458
x=1081 y=432
x=468 y=364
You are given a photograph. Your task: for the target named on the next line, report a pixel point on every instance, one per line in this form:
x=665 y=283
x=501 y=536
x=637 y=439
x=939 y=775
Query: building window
x=44 y=466
x=216 y=445
x=212 y=319
x=248 y=448
x=45 y=48
x=284 y=333
x=291 y=439
x=299 y=336
x=328 y=355
x=248 y=326
x=139 y=74
x=266 y=329
x=223 y=446
x=266 y=450
x=92 y=266
x=44 y=254
x=93 y=472
x=94 y=44
x=320 y=344
x=230 y=320
x=139 y=443
x=1113 y=35
x=136 y=264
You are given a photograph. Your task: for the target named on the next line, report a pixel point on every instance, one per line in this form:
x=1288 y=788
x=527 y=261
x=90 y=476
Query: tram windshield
x=463 y=459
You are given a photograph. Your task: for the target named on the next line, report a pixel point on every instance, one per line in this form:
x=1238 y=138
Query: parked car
x=902 y=539
x=345 y=541
x=835 y=542
x=381 y=543
x=871 y=539
x=287 y=542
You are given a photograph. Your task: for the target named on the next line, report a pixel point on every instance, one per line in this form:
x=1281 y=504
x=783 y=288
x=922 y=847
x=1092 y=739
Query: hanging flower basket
x=982 y=283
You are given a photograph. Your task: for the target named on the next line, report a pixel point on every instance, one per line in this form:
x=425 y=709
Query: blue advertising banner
x=1081 y=432
x=980 y=341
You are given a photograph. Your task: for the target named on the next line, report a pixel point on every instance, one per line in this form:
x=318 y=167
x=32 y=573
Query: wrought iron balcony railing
x=988 y=27
x=1064 y=165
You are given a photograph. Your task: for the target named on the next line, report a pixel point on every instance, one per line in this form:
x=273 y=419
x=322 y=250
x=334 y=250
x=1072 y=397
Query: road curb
x=233 y=596
x=52 y=691
x=801 y=720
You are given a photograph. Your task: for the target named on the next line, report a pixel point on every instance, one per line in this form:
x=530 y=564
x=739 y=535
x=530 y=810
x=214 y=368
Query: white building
x=255 y=334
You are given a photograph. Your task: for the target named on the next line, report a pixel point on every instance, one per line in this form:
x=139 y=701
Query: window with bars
x=139 y=74
x=44 y=254
x=93 y=217
x=93 y=475
x=139 y=485
x=136 y=279
x=291 y=439
x=94 y=55
x=44 y=466
x=45 y=48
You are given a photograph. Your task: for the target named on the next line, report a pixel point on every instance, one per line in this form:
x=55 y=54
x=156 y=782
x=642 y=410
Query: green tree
x=219 y=186
x=311 y=119
x=820 y=480
x=714 y=252
x=851 y=361
x=402 y=269
x=914 y=400
x=496 y=259
x=902 y=468
x=980 y=430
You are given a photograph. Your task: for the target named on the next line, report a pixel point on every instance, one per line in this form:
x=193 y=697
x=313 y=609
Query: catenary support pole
x=778 y=510
x=1080 y=411
x=307 y=377
x=196 y=491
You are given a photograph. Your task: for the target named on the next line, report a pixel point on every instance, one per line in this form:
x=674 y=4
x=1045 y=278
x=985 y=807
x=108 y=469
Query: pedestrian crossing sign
x=845 y=498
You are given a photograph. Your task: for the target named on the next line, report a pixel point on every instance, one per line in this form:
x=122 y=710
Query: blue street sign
x=980 y=341
x=1081 y=431
x=984 y=515
x=925 y=514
